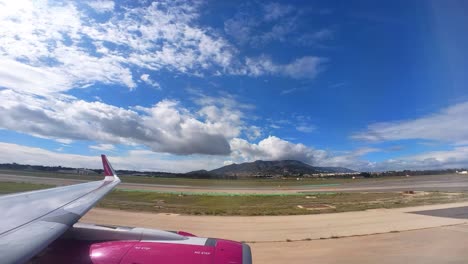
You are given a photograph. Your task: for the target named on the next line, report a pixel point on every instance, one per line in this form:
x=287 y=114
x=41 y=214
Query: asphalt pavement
x=450 y=183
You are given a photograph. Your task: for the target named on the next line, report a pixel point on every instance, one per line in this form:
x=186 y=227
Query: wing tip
x=109 y=172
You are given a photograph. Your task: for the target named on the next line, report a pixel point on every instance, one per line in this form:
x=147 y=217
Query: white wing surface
x=30 y=221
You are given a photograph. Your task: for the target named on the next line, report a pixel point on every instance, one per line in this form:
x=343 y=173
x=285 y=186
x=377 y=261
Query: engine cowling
x=101 y=245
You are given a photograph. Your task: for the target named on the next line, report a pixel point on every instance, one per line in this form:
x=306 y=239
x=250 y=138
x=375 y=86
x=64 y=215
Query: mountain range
x=271 y=168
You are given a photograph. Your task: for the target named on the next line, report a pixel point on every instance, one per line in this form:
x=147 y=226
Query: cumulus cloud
x=146 y=79
x=274 y=148
x=448 y=125
x=164 y=127
x=242 y=151
x=223 y=113
x=142 y=160
x=103 y=147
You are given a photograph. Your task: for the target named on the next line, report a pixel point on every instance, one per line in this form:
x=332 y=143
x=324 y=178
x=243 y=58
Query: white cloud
x=271 y=148
x=73 y=50
x=101 y=6
x=288 y=91
x=260 y=24
x=350 y=159
x=281 y=31
x=253 y=132
x=316 y=38
x=224 y=113
x=306 y=67
x=27 y=78
x=448 y=125
x=274 y=11
x=103 y=147
x=274 y=148
x=454 y=158
x=142 y=160
x=64 y=141
x=302 y=123
x=240 y=27
x=306 y=128
x=52 y=50
x=146 y=79
x=163 y=127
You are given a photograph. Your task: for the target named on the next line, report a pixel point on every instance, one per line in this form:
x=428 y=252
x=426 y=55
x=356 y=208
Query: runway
x=417 y=183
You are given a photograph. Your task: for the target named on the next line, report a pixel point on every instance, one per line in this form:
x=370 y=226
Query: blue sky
x=179 y=86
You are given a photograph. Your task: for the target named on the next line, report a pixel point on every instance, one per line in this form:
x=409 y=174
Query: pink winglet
x=108 y=171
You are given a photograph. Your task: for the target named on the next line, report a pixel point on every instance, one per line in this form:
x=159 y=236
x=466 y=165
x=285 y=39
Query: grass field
x=13 y=187
x=200 y=204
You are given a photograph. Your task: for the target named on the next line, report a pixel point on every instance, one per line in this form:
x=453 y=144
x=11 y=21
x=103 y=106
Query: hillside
x=274 y=168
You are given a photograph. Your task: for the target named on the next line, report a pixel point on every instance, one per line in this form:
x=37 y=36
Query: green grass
x=247 y=205
x=268 y=204
x=13 y=187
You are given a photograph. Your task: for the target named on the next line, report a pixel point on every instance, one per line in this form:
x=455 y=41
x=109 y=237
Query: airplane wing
x=30 y=221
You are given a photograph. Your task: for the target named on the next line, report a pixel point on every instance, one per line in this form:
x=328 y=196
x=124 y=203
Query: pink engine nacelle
x=180 y=247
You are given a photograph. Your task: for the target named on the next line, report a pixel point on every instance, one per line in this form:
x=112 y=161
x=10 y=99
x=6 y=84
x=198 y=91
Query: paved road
x=418 y=183
x=452 y=182
x=457 y=212
x=373 y=236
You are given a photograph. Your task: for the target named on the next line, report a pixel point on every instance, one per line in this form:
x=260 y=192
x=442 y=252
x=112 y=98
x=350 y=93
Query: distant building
x=78 y=171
